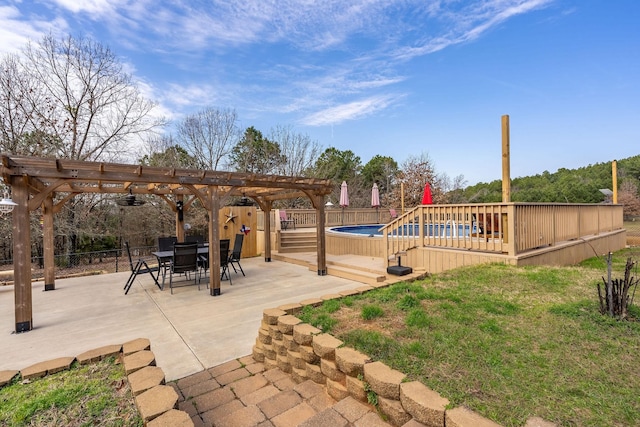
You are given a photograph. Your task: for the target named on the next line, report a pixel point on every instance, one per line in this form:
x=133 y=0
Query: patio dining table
x=165 y=257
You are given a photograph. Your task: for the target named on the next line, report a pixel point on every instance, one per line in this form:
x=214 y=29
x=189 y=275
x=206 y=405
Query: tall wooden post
x=22 y=256
x=214 y=241
x=614 y=179
x=506 y=166
x=48 y=246
x=402 y=198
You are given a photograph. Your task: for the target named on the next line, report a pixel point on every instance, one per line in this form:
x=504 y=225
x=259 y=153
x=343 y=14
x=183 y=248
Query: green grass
x=507 y=342
x=88 y=395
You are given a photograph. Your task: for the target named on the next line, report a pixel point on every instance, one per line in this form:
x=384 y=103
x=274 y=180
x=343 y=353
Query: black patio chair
x=166 y=244
x=234 y=258
x=185 y=261
x=195 y=239
x=203 y=261
x=141 y=267
x=224 y=260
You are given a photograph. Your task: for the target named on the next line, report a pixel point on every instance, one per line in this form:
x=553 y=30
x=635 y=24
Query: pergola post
x=321 y=240
x=214 y=240
x=180 y=218
x=48 y=245
x=267 y=231
x=22 y=256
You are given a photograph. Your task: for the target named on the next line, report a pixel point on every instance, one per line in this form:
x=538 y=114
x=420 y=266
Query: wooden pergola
x=49 y=183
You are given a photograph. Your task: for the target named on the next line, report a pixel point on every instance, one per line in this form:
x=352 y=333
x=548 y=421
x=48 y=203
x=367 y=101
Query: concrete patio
x=190 y=330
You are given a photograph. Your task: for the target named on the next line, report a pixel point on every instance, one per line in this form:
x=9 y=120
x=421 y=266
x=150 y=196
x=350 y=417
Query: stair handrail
x=397 y=234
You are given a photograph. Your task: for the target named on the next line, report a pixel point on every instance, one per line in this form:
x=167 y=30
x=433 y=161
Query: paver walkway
x=241 y=393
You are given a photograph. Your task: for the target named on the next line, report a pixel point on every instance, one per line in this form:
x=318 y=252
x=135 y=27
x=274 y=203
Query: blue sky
x=393 y=78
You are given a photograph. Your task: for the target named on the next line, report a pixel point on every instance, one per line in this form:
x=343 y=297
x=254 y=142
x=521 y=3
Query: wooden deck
x=436 y=238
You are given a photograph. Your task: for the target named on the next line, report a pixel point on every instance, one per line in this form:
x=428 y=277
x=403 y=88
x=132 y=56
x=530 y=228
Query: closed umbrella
x=375 y=200
x=426 y=197
x=344 y=198
x=344 y=195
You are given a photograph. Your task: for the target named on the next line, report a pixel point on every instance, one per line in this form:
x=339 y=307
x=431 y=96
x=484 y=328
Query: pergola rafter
x=49 y=183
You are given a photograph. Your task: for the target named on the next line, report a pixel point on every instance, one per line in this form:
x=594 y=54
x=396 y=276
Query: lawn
x=508 y=342
x=88 y=395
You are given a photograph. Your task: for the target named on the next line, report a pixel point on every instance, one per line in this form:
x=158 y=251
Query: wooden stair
x=297 y=241
x=367 y=273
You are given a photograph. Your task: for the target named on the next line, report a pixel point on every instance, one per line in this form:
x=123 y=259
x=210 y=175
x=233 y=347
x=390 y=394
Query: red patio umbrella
x=426 y=197
x=375 y=199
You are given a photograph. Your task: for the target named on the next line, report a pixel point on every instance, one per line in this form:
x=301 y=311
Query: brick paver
x=213 y=399
x=294 y=416
x=279 y=403
x=259 y=395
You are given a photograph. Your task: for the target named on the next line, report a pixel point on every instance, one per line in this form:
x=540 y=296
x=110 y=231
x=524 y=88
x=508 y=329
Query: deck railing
x=333 y=217
x=509 y=228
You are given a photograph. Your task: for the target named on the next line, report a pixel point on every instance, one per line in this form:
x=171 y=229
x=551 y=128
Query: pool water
x=372 y=230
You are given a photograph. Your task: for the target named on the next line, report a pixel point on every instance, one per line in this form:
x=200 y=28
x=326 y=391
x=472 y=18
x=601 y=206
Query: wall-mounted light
x=6 y=204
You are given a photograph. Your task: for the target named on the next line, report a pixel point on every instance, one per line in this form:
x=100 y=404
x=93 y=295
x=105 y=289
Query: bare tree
x=71 y=98
x=628 y=197
x=416 y=171
x=25 y=112
x=93 y=106
x=300 y=150
x=209 y=135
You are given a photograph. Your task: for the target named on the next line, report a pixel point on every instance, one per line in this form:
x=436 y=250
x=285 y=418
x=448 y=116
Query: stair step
x=355 y=274
x=362 y=268
x=297 y=242
x=294 y=249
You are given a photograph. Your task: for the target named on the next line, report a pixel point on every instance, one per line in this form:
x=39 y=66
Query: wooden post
x=506 y=167
x=402 y=198
x=321 y=240
x=614 y=179
x=266 y=207
x=214 y=241
x=180 y=218
x=22 y=256
x=47 y=243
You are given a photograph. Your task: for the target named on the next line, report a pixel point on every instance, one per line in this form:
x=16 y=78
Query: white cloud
x=16 y=31
x=190 y=95
x=348 y=111
x=92 y=7
x=469 y=23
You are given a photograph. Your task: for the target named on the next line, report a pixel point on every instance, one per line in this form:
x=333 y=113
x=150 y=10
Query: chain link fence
x=109 y=261
x=633 y=232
